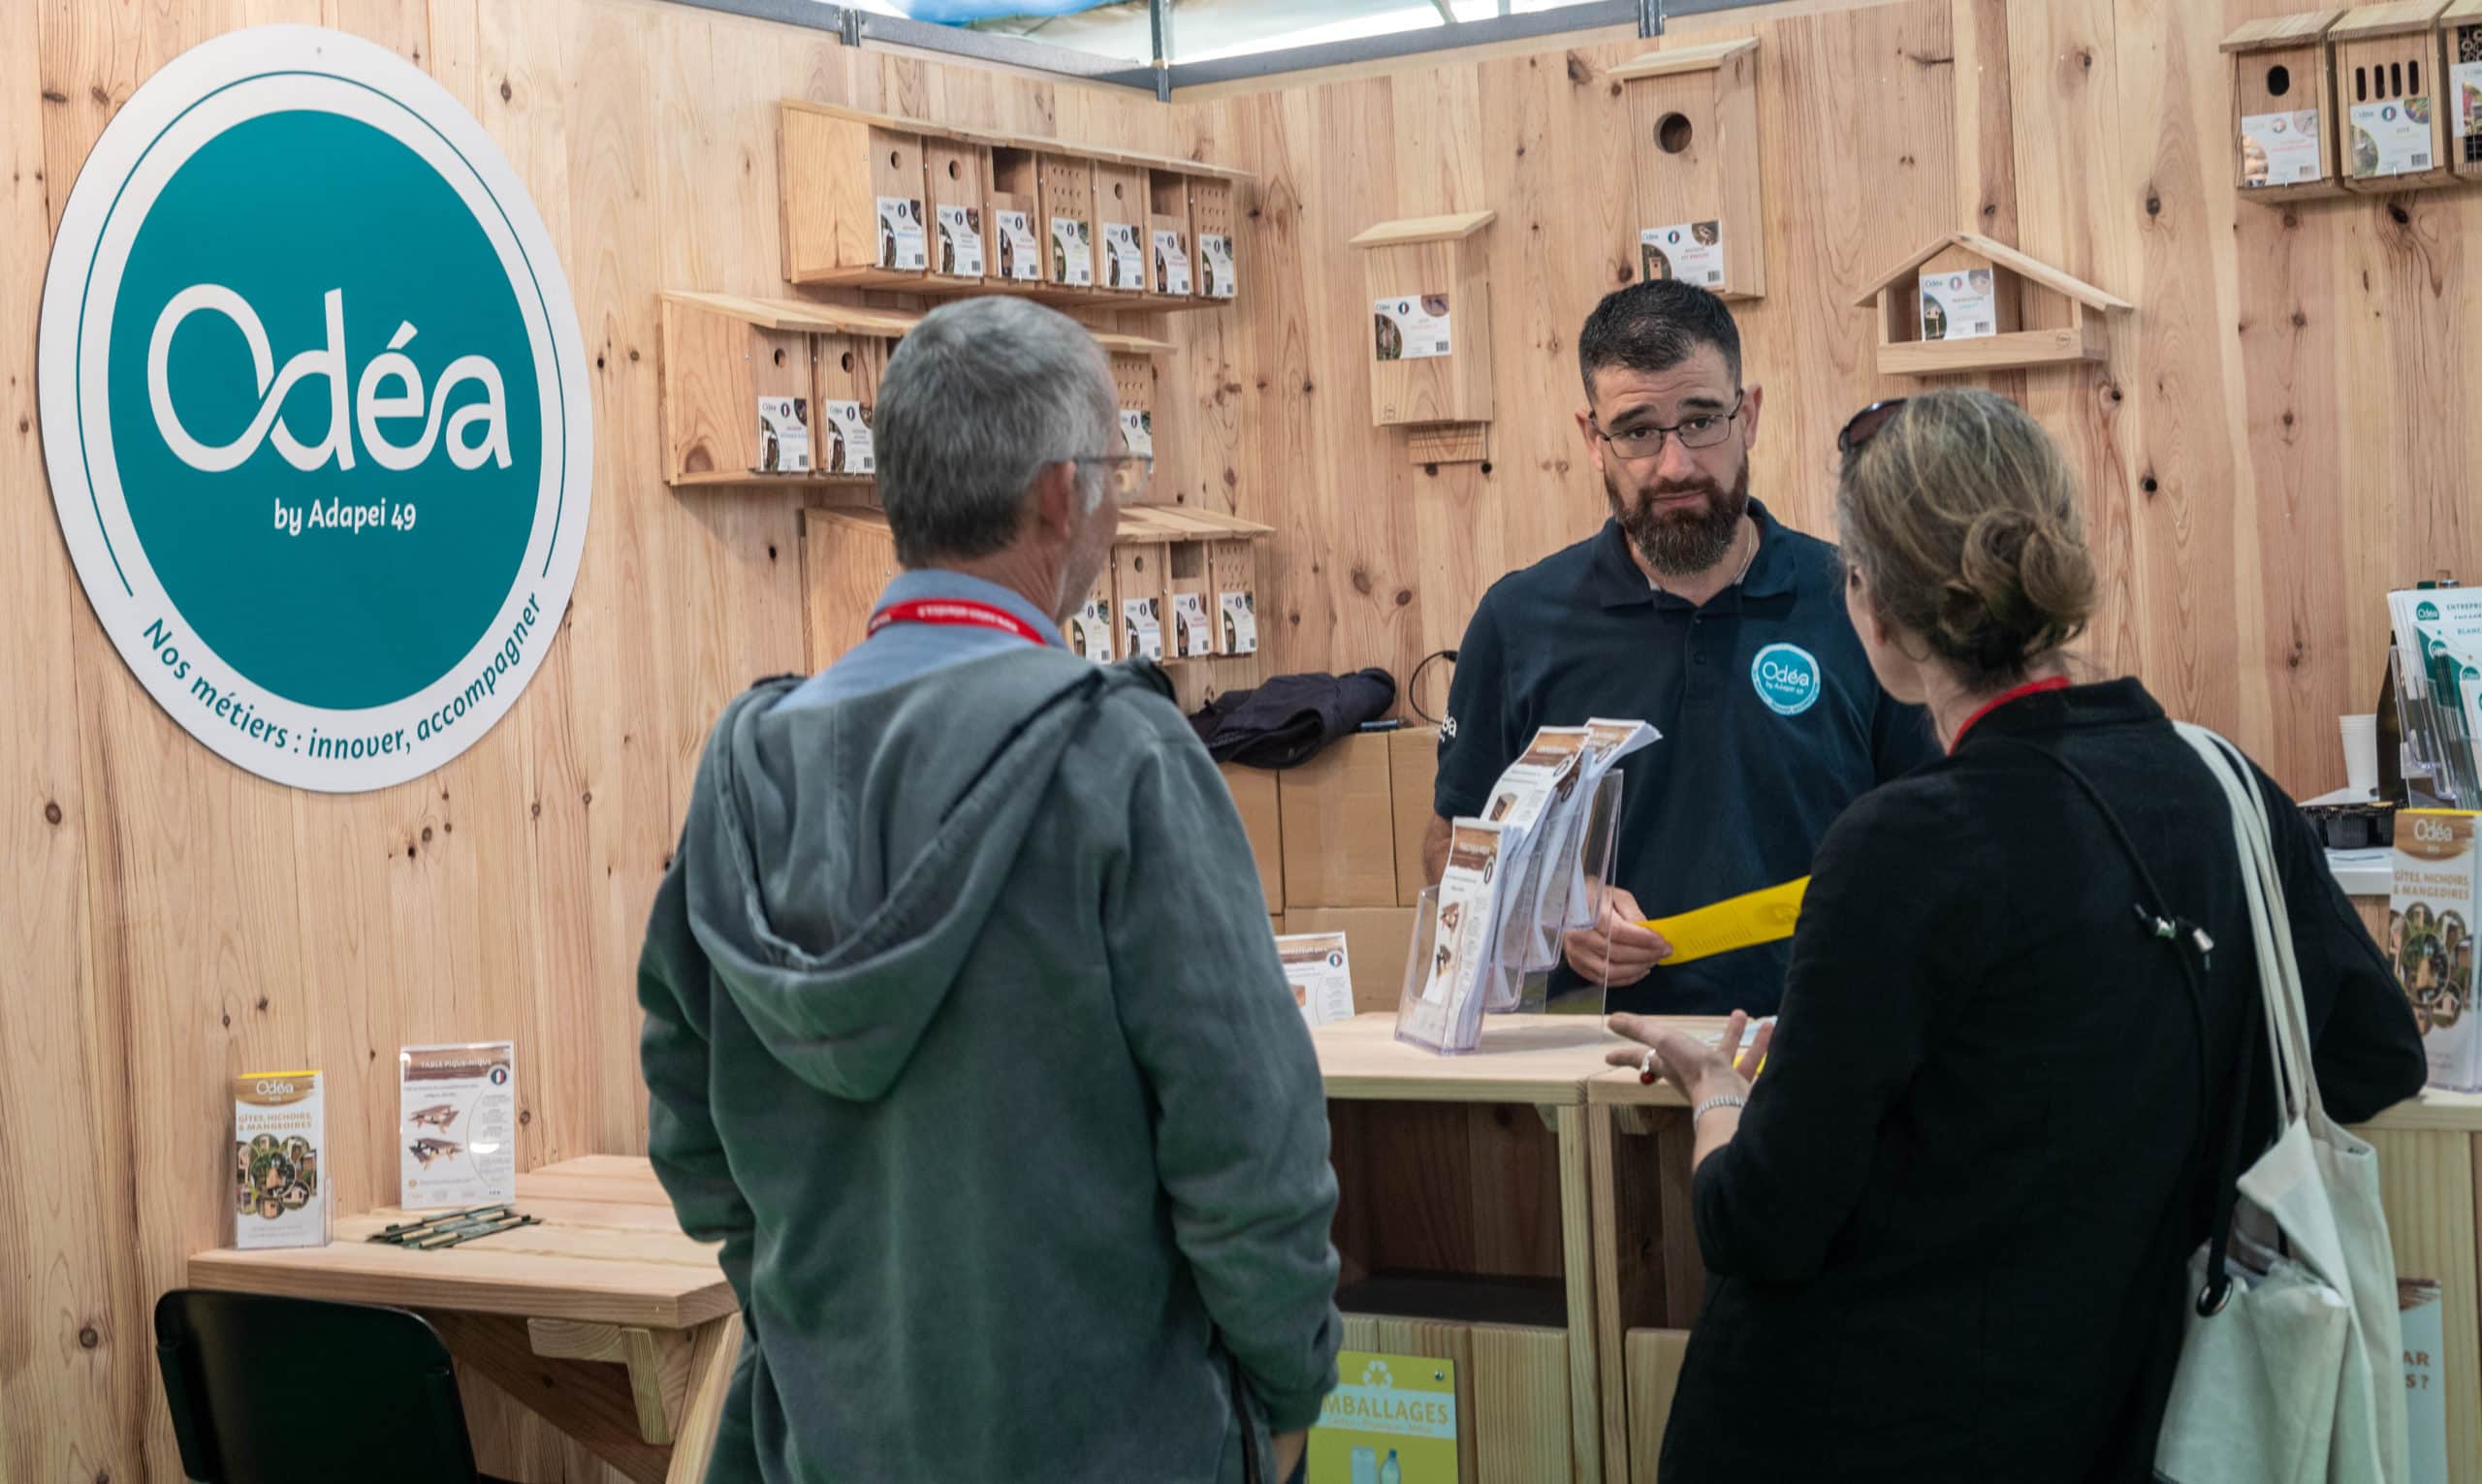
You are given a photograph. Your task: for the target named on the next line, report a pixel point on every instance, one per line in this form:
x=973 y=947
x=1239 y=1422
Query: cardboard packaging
x=2433 y=912
x=1254 y=793
x=1376 y=940
x=280 y=1135
x=1339 y=826
x=1412 y=771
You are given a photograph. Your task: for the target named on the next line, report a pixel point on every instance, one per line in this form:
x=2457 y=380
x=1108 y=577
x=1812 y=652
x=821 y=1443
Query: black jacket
x=1949 y=1239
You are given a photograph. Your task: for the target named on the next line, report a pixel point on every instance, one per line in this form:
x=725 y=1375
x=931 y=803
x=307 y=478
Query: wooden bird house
x=2284 y=108
x=2460 y=90
x=1430 y=325
x=1217 y=271
x=854 y=211
x=1171 y=265
x=2392 y=92
x=1120 y=208
x=1967 y=303
x=757 y=392
x=1694 y=166
x=959 y=175
x=1133 y=379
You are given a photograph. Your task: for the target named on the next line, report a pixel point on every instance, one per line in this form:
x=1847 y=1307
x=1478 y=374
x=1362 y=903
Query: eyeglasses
x=1868 y=423
x=1646 y=439
x=1130 y=473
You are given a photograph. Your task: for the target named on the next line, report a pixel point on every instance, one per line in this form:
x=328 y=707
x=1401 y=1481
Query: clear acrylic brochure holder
x=1429 y=1012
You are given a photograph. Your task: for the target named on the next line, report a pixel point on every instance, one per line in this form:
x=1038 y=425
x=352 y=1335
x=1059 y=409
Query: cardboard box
x=1340 y=826
x=1376 y=940
x=1254 y=793
x=1413 y=770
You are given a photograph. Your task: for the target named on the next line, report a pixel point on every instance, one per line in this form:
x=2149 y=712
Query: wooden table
x=605 y=1320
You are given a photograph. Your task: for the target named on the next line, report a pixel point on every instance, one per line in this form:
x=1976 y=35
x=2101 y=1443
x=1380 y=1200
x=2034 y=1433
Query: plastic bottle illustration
x=1365 y=1467
x=1390 y=1471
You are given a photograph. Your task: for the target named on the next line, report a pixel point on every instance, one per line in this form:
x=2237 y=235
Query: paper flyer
x=2391 y=138
x=1171 y=264
x=1571 y=902
x=1137 y=430
x=1021 y=256
x=961 y=241
x=2424 y=1320
x=279 y=1134
x=2434 y=904
x=1072 y=252
x=1142 y=628
x=1469 y=894
x=1215 y=254
x=1391 y=1421
x=2438 y=632
x=1240 y=623
x=1692 y=252
x=901 y=234
x=2279 y=149
x=1542 y=778
x=1959 y=306
x=784 y=434
x=1319 y=971
x=1124 y=262
x=1194 y=635
x=1090 y=631
x=848 y=438
x=458 y=1138
x=1412 y=327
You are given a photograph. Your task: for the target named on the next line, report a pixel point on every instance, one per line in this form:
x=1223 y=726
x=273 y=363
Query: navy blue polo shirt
x=1770 y=717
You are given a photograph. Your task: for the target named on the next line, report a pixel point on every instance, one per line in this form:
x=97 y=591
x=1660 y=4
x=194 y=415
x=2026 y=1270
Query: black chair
x=270 y=1390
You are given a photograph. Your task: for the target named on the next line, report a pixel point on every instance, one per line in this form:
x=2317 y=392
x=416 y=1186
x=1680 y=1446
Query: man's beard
x=1682 y=543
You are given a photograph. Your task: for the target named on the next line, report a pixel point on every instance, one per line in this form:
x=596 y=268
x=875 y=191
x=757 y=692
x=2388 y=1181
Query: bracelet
x=1728 y=1100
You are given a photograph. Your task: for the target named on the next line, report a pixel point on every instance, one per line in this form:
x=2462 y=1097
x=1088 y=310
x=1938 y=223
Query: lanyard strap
x=955 y=613
x=2029 y=688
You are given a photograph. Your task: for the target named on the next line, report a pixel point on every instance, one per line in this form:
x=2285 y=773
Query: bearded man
x=1695 y=610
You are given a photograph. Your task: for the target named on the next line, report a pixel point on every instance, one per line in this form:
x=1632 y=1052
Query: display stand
x=1564 y=886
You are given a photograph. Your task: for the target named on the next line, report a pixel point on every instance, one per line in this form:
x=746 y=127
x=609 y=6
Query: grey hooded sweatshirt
x=967 y=1036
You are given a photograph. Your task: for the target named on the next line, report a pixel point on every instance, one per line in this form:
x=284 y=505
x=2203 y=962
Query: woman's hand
x=1701 y=1071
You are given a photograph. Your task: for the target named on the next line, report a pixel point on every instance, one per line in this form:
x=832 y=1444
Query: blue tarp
x=957 y=13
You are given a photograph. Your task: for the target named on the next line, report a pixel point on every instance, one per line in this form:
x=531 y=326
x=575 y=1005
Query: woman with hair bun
x=1947 y=1232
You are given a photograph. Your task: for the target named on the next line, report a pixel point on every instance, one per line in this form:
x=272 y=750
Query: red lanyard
x=956 y=612
x=2029 y=688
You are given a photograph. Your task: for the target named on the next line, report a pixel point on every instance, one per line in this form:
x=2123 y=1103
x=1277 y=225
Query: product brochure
x=2439 y=638
x=1447 y=1013
x=2433 y=910
x=278 y=1136
x=1570 y=903
x=1543 y=779
x=459 y=1135
x=1317 y=966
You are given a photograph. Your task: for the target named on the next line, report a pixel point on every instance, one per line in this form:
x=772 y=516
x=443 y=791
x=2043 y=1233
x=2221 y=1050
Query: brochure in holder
x=1488 y=937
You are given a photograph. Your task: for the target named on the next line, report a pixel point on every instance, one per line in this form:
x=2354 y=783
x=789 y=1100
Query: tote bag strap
x=2192 y=946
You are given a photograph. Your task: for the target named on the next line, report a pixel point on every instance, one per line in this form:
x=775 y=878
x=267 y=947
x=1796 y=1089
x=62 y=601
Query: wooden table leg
x=1577 y=1265
x=656 y=1361
x=715 y=1348
x=588 y=1401
x=1610 y=1323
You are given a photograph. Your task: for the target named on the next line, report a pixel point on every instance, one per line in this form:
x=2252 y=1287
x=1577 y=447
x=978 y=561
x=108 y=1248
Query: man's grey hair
x=978 y=398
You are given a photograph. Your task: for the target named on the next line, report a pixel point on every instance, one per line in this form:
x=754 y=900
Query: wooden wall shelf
x=2038 y=315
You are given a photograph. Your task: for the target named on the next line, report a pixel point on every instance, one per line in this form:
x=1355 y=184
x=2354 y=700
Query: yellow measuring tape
x=1756 y=917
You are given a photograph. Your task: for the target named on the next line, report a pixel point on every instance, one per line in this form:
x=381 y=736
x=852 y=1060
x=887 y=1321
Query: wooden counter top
x=1523 y=1058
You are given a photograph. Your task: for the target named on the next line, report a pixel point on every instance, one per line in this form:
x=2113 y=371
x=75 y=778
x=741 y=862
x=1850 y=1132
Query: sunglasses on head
x=1868 y=423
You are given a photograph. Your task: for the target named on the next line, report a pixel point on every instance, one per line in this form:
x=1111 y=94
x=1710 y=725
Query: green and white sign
x=314 y=408
x=1391 y=1420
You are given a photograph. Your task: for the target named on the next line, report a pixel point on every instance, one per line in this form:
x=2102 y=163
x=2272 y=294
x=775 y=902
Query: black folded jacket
x=1287 y=721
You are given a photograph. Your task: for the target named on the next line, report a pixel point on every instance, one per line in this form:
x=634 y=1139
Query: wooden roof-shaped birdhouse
x=2284 y=108
x=1430 y=325
x=1966 y=304
x=2394 y=96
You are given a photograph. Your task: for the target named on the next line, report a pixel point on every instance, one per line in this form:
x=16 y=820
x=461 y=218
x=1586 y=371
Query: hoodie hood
x=846 y=854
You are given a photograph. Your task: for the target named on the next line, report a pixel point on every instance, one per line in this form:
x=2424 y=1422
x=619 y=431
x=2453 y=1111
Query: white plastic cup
x=2360 y=753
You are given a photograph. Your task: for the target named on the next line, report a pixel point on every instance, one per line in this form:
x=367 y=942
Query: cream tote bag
x=2291 y=1352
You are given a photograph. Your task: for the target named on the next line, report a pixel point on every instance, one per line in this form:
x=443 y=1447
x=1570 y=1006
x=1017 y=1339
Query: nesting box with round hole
x=959 y=173
x=854 y=207
x=1694 y=166
x=2284 y=108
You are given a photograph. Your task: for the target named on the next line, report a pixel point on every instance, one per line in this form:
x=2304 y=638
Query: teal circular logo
x=314 y=408
x=2425 y=611
x=1786 y=677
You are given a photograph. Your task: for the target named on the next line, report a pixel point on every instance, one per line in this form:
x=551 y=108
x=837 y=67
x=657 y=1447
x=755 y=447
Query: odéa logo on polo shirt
x=1786 y=678
x=314 y=408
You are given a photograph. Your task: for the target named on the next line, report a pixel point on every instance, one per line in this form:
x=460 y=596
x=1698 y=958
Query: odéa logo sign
x=314 y=408
x=1786 y=678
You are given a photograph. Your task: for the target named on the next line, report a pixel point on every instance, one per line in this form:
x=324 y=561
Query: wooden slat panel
x=1654 y=1372
x=2426 y=1182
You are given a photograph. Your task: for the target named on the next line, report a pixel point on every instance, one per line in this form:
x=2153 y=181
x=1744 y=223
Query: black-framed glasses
x=1645 y=440
x=1130 y=473
x=1867 y=423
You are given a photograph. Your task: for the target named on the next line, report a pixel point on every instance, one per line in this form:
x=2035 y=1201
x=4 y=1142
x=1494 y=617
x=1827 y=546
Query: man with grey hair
x=965 y=1033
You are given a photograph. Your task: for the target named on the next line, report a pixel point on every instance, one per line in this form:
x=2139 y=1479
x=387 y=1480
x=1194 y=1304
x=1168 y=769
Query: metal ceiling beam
x=1446 y=12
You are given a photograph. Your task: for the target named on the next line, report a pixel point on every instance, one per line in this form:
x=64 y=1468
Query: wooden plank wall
x=2271 y=445
x=171 y=920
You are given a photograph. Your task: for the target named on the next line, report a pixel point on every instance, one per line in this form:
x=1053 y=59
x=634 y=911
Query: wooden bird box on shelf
x=2395 y=98
x=2461 y=95
x=1693 y=153
x=1966 y=304
x=855 y=208
x=1430 y=324
x=761 y=391
x=1132 y=362
x=2284 y=108
x=959 y=173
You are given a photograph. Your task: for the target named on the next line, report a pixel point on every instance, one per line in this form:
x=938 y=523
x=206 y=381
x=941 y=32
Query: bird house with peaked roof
x=2284 y=108
x=1966 y=304
x=2393 y=91
x=1693 y=153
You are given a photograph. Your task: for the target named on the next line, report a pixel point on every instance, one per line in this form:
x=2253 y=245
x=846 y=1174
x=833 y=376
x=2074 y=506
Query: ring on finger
x=1646 y=1073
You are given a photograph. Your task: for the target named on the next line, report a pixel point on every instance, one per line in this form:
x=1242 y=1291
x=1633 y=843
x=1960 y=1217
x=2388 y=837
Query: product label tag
x=1959 y=306
x=1126 y=263
x=1072 y=253
x=2279 y=149
x=784 y=434
x=1412 y=326
x=1215 y=251
x=1021 y=256
x=1240 y=623
x=849 y=439
x=1692 y=252
x=961 y=241
x=2391 y=138
x=1137 y=430
x=1317 y=968
x=901 y=234
x=1142 y=628
x=1171 y=264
